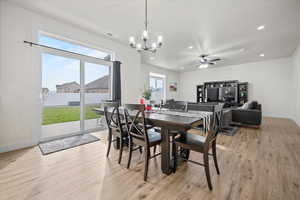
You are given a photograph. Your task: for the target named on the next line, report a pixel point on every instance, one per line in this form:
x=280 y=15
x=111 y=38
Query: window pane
x=97 y=89
x=159 y=83
x=152 y=83
x=60 y=95
x=60 y=44
x=157 y=88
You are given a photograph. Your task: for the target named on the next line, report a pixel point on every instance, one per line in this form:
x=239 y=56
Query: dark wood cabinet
x=238 y=92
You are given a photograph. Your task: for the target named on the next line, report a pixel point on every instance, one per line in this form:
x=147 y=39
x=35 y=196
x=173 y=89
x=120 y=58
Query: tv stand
x=232 y=93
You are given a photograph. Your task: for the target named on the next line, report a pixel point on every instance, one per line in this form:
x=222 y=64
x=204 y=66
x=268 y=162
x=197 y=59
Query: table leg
x=165 y=152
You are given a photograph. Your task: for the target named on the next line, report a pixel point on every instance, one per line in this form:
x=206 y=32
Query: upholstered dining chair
x=115 y=126
x=202 y=144
x=139 y=134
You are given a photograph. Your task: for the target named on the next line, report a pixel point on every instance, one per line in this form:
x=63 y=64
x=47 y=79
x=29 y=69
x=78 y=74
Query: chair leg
x=109 y=139
x=121 y=150
x=214 y=151
x=175 y=157
x=130 y=153
x=141 y=149
x=147 y=152
x=154 y=150
x=206 y=166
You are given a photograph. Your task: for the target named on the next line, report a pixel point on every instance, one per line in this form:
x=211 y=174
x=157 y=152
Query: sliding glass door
x=71 y=89
x=75 y=79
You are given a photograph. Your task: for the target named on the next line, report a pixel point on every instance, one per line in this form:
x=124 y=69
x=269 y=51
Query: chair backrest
x=180 y=105
x=215 y=124
x=112 y=115
x=136 y=122
x=176 y=105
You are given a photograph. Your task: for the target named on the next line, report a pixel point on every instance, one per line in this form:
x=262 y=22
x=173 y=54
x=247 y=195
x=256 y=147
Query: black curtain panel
x=116 y=84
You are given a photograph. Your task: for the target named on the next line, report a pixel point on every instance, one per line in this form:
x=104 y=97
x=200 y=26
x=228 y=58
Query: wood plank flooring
x=254 y=164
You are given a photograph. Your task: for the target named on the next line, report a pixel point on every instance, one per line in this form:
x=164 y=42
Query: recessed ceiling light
x=152 y=58
x=260 y=27
x=262 y=55
x=190 y=47
x=242 y=49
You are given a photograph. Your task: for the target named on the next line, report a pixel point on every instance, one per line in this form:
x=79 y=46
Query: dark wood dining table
x=169 y=121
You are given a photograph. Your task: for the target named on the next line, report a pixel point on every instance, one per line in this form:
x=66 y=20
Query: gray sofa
x=251 y=114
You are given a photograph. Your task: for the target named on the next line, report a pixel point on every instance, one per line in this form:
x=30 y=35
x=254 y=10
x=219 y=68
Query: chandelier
x=144 y=43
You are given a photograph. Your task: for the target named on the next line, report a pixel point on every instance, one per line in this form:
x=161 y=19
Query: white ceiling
x=218 y=27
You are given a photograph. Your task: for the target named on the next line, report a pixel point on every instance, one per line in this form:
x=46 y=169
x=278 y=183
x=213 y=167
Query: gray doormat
x=231 y=130
x=66 y=143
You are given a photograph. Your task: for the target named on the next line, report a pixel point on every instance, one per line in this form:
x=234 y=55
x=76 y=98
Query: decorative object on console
x=145 y=38
x=243 y=93
x=200 y=93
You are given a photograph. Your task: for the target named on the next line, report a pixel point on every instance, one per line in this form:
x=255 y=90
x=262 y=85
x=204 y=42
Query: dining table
x=169 y=121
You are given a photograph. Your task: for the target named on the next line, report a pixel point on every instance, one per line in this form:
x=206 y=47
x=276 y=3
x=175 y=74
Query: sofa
x=249 y=114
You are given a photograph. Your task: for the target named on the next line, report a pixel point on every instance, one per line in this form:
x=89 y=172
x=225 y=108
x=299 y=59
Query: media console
x=233 y=93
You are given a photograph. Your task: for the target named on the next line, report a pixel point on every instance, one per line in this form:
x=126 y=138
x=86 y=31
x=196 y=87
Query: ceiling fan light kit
x=144 y=43
x=206 y=61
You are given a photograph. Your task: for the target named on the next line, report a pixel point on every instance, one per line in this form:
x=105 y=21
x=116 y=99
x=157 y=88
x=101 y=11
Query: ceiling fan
x=206 y=60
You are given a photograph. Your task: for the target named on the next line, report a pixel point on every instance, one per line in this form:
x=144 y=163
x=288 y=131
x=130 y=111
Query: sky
x=58 y=70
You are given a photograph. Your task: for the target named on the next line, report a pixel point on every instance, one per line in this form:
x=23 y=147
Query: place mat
x=66 y=143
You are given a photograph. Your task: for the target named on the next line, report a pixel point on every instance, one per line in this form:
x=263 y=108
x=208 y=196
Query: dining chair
x=202 y=144
x=115 y=126
x=139 y=134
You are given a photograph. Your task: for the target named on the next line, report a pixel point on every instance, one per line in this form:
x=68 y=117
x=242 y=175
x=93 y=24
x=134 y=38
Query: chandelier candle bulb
x=159 y=40
x=145 y=35
x=132 y=41
x=154 y=46
x=138 y=46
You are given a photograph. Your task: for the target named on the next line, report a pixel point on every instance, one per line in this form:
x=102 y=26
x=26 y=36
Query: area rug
x=66 y=143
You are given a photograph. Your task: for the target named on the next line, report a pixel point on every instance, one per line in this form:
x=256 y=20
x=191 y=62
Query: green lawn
x=53 y=115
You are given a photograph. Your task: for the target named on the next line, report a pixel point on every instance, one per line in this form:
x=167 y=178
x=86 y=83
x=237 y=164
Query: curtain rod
x=48 y=47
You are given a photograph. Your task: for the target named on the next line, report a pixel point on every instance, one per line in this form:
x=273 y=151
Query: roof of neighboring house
x=100 y=83
x=68 y=84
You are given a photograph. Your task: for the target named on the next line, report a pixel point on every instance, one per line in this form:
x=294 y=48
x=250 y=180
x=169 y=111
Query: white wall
x=20 y=72
x=171 y=76
x=269 y=83
x=296 y=80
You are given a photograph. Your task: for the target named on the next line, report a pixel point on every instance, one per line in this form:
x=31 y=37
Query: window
x=157 y=86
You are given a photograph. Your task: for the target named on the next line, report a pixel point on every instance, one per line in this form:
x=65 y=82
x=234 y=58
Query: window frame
x=79 y=43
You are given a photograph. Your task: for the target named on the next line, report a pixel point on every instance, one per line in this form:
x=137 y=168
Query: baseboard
x=18 y=146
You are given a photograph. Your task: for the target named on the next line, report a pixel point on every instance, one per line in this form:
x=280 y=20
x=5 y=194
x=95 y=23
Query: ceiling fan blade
x=215 y=60
x=212 y=63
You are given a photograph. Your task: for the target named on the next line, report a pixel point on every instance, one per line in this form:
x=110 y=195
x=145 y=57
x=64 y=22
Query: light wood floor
x=255 y=164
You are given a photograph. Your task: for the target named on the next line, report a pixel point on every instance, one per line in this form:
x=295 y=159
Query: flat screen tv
x=212 y=94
